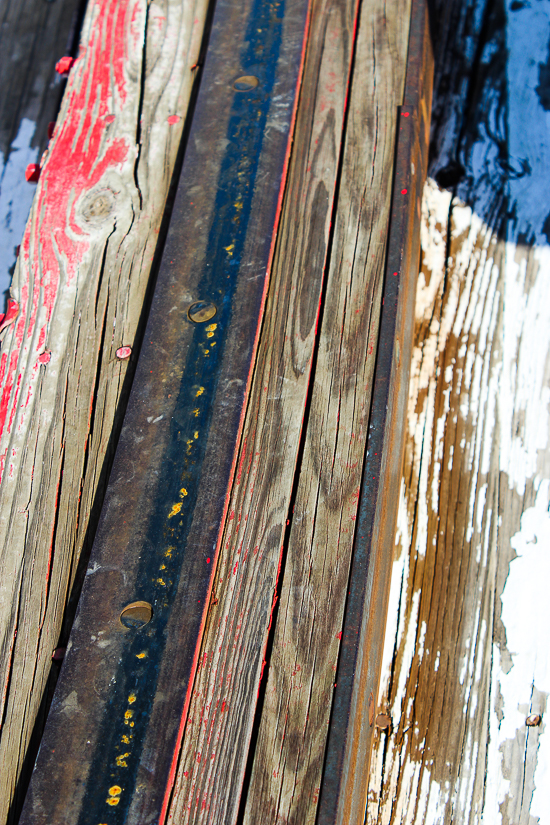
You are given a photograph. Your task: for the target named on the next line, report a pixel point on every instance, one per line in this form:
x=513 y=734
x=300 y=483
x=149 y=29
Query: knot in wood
x=97 y=206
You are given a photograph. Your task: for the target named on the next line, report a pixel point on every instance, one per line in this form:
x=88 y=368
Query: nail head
x=383 y=721
x=136 y=615
x=201 y=311
x=245 y=83
x=533 y=720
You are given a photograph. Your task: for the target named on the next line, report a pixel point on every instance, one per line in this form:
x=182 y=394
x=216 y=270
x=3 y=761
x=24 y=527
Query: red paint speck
x=110 y=118
x=404 y=191
x=339 y=635
x=123 y=352
x=45 y=357
x=208 y=560
x=395 y=274
x=64 y=65
x=32 y=172
x=405 y=114
x=174 y=119
x=51 y=129
x=9 y=316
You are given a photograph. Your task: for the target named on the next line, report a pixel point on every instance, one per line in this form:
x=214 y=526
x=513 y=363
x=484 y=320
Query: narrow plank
x=80 y=285
x=33 y=36
x=286 y=775
x=466 y=657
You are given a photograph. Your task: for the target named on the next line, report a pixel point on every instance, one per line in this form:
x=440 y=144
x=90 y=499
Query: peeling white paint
x=526 y=617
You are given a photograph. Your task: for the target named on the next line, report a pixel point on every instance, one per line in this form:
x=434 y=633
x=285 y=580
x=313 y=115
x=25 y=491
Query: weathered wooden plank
x=320 y=424
x=113 y=732
x=33 y=36
x=80 y=283
x=466 y=659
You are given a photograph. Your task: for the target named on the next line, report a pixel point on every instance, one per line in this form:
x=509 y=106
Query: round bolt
x=245 y=83
x=383 y=721
x=136 y=615
x=533 y=720
x=201 y=311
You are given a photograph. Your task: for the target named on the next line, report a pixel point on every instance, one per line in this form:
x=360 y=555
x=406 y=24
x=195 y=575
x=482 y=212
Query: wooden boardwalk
x=464 y=662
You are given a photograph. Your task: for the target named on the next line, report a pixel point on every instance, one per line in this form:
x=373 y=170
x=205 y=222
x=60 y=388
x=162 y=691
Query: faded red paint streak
x=79 y=155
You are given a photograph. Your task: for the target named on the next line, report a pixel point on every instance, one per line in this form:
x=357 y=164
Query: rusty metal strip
x=345 y=775
x=116 y=721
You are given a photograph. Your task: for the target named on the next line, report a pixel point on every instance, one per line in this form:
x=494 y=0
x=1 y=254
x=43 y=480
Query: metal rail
x=109 y=750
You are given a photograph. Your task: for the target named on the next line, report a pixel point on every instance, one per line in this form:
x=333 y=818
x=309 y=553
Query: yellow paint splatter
x=175 y=509
x=125 y=739
x=113 y=800
x=128 y=714
x=213 y=344
x=161 y=582
x=196 y=412
x=211 y=327
x=169 y=552
x=141 y=655
x=209 y=334
x=238 y=205
x=230 y=248
x=196 y=433
x=183 y=491
x=122 y=763
x=162 y=567
x=131 y=698
x=116 y=790
x=207 y=352
x=199 y=392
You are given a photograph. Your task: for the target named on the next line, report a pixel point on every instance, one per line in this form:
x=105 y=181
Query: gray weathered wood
x=80 y=283
x=285 y=779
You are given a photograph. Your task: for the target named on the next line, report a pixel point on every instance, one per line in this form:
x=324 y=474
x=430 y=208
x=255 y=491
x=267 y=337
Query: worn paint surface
x=160 y=528
x=80 y=283
x=467 y=652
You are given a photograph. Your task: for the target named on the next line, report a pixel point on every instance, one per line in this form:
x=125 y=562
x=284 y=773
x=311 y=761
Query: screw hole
x=136 y=615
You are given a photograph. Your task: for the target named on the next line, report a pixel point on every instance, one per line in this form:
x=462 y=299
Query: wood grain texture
x=466 y=655
x=288 y=761
x=80 y=284
x=283 y=419
x=33 y=36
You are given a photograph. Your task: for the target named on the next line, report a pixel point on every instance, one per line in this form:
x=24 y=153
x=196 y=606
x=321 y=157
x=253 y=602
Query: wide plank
x=79 y=291
x=308 y=413
x=462 y=734
x=217 y=736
